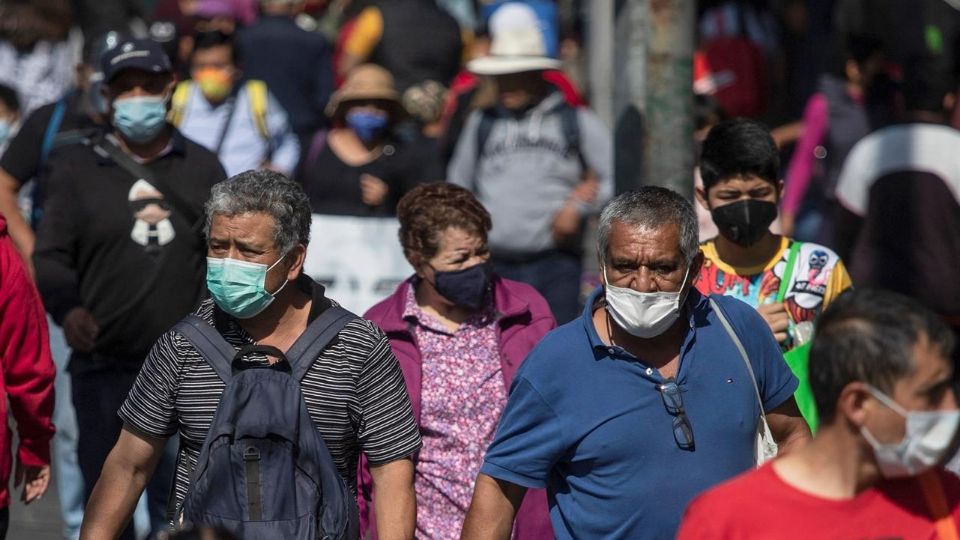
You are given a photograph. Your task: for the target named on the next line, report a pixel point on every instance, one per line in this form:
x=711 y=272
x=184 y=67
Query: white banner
x=358 y=260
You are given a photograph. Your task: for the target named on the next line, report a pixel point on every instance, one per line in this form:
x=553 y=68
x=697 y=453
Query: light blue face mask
x=5 y=129
x=238 y=287
x=141 y=118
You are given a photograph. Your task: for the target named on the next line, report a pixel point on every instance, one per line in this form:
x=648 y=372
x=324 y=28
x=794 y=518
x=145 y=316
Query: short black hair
x=8 y=96
x=739 y=147
x=216 y=38
x=868 y=335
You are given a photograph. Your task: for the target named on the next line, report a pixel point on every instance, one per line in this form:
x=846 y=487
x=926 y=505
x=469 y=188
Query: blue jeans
x=65 y=467
x=554 y=274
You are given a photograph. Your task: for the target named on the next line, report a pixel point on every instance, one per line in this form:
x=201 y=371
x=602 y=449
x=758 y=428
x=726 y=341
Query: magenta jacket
x=524 y=318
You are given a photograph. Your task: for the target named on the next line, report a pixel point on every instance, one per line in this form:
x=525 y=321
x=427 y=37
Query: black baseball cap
x=141 y=54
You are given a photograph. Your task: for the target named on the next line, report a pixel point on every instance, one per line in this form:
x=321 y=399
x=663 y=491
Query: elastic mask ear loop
x=887 y=401
x=603 y=267
x=276 y=292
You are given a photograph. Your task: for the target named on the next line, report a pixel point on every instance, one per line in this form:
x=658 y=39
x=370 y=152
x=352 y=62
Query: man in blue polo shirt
x=630 y=411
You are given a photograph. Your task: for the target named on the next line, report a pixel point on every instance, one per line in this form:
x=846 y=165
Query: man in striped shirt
x=258 y=226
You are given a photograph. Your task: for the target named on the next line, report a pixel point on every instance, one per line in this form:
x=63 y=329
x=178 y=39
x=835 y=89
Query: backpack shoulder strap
x=743 y=352
x=571 y=127
x=788 y=271
x=936 y=499
x=487 y=118
x=259 y=98
x=315 y=338
x=178 y=103
x=209 y=343
x=53 y=127
x=104 y=147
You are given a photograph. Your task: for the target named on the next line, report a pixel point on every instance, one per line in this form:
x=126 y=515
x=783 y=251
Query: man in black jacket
x=119 y=255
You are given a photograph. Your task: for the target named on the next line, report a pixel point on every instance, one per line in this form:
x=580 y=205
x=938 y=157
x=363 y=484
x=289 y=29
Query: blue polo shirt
x=586 y=421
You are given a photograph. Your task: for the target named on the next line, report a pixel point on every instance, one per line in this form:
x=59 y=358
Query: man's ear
x=297 y=256
x=701 y=195
x=850 y=404
x=780 y=186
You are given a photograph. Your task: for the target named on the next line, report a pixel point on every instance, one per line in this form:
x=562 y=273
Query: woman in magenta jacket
x=460 y=333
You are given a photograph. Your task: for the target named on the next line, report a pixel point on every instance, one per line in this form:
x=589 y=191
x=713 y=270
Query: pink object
x=242 y=11
x=816 y=120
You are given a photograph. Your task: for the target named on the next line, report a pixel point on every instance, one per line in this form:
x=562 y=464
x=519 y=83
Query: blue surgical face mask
x=368 y=125
x=238 y=286
x=140 y=119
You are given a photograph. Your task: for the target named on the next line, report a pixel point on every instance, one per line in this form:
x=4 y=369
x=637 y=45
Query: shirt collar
x=176 y=145
x=413 y=313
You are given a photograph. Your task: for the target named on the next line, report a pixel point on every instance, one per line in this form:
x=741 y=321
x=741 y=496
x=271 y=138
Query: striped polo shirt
x=354 y=393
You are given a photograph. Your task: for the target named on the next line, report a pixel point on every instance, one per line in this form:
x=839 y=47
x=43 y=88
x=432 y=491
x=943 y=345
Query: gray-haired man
x=628 y=413
x=354 y=391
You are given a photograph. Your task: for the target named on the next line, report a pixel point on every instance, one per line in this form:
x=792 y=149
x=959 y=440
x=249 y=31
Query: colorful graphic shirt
x=818 y=277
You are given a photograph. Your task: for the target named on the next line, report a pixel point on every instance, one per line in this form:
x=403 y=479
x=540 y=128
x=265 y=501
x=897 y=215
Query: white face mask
x=927 y=439
x=644 y=315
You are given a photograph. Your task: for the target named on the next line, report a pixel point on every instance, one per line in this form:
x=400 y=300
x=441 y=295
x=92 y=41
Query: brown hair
x=429 y=209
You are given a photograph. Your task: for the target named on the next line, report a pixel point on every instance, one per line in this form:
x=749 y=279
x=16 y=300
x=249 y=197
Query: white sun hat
x=512 y=16
x=515 y=50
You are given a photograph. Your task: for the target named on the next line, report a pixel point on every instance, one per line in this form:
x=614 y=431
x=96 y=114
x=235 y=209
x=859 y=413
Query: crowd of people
x=778 y=350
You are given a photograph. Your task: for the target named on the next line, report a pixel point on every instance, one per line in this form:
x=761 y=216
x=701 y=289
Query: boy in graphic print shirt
x=741 y=188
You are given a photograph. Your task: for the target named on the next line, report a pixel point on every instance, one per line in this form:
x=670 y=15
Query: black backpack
x=264 y=470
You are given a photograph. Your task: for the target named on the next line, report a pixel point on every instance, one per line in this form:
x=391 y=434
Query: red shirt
x=761 y=505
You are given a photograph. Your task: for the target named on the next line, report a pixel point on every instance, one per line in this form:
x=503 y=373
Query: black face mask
x=744 y=222
x=468 y=288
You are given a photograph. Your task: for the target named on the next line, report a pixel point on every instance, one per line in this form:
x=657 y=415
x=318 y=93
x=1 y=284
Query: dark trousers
x=554 y=274
x=97 y=396
x=4 y=522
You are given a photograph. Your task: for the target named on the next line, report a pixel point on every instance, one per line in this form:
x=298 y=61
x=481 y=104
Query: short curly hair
x=427 y=210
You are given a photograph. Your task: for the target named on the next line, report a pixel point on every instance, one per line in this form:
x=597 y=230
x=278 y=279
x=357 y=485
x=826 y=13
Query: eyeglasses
x=673 y=402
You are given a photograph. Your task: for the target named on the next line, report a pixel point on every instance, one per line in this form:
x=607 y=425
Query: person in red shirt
x=26 y=382
x=885 y=391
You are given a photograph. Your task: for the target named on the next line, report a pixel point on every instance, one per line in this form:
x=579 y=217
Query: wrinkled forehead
x=249 y=227
x=644 y=241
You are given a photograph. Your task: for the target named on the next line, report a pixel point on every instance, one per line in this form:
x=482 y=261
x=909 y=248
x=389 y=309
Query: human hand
x=374 y=190
x=586 y=191
x=35 y=481
x=80 y=329
x=566 y=224
x=777 y=318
